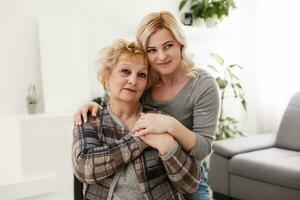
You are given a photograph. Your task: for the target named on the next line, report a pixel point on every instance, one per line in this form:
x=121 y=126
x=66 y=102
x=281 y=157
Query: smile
x=165 y=63
x=130 y=90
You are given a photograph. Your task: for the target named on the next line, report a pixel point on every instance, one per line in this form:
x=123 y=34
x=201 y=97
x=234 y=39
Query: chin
x=130 y=99
x=166 y=71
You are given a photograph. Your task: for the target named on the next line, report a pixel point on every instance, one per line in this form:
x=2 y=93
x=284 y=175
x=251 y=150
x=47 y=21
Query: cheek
x=177 y=53
x=142 y=85
x=151 y=59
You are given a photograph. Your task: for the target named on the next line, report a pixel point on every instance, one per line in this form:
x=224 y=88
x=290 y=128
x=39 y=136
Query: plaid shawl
x=101 y=147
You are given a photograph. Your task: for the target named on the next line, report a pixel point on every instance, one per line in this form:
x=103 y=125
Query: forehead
x=160 y=36
x=137 y=62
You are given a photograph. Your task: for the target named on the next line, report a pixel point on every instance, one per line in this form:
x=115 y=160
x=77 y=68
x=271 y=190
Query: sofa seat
x=273 y=165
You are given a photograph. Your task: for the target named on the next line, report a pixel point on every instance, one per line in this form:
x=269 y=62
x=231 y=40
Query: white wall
x=19 y=49
x=105 y=21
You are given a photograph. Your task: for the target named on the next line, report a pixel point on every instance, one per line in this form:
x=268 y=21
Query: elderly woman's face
x=128 y=80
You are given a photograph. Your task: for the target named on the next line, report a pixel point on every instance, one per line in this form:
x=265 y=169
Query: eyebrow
x=171 y=41
x=128 y=64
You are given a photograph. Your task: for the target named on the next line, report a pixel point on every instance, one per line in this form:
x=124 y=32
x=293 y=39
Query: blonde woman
x=109 y=159
x=189 y=95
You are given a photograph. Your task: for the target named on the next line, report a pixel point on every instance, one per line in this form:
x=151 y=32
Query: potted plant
x=230 y=87
x=210 y=11
x=32 y=99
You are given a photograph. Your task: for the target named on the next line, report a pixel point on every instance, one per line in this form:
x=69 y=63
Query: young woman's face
x=128 y=80
x=163 y=52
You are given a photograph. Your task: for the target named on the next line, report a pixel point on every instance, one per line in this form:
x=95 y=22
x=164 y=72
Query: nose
x=132 y=80
x=161 y=55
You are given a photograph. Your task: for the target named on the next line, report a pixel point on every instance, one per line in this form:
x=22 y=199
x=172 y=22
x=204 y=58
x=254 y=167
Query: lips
x=130 y=89
x=164 y=63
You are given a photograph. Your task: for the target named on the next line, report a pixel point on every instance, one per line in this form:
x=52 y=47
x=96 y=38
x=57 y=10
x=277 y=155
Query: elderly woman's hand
x=154 y=123
x=82 y=112
x=164 y=143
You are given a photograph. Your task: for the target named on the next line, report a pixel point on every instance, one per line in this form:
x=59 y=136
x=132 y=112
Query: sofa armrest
x=231 y=147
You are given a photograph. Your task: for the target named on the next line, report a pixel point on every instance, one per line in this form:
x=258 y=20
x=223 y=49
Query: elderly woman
x=107 y=156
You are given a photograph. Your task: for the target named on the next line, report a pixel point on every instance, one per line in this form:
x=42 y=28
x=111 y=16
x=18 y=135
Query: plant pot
x=198 y=22
x=211 y=22
x=31 y=108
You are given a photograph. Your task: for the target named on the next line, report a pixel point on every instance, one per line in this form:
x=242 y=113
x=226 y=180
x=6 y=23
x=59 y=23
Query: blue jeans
x=202 y=192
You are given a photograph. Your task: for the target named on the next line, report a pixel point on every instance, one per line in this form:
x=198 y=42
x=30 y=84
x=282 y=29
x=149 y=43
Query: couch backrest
x=289 y=130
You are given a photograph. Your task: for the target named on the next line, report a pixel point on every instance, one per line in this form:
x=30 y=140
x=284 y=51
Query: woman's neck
x=169 y=86
x=177 y=77
x=127 y=112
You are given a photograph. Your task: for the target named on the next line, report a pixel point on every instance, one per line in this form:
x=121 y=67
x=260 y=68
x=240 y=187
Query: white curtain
x=276 y=58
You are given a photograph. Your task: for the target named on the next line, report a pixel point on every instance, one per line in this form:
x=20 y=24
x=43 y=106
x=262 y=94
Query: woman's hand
x=154 y=123
x=157 y=124
x=82 y=112
x=164 y=142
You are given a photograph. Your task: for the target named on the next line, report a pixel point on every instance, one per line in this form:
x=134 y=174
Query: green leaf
x=232 y=75
x=222 y=83
x=232 y=120
x=234 y=90
x=239 y=86
x=244 y=104
x=182 y=4
x=236 y=65
x=240 y=133
x=213 y=68
x=227 y=134
x=217 y=58
x=231 y=3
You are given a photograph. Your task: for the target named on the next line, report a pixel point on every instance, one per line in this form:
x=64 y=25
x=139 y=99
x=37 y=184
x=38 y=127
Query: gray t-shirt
x=196 y=106
x=127 y=185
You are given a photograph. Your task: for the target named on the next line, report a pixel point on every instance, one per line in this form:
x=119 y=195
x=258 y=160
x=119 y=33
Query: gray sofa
x=260 y=167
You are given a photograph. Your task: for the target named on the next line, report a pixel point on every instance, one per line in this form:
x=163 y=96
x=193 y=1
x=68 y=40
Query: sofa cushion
x=273 y=165
x=289 y=130
x=231 y=147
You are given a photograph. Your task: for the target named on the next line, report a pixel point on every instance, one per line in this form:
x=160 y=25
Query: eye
x=125 y=71
x=142 y=75
x=151 y=50
x=168 y=46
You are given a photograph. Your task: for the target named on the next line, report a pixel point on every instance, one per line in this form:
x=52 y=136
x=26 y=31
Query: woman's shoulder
x=202 y=74
x=203 y=80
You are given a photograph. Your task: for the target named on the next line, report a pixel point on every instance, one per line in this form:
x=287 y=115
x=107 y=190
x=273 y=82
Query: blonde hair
x=158 y=20
x=109 y=57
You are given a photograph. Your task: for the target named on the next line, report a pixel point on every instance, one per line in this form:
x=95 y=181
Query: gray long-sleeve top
x=196 y=106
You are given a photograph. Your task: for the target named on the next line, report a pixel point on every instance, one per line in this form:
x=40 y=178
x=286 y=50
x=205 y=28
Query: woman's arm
x=183 y=170
x=93 y=160
x=205 y=112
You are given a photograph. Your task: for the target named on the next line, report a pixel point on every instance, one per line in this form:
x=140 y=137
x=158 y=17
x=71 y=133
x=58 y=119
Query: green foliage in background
x=208 y=8
x=230 y=87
